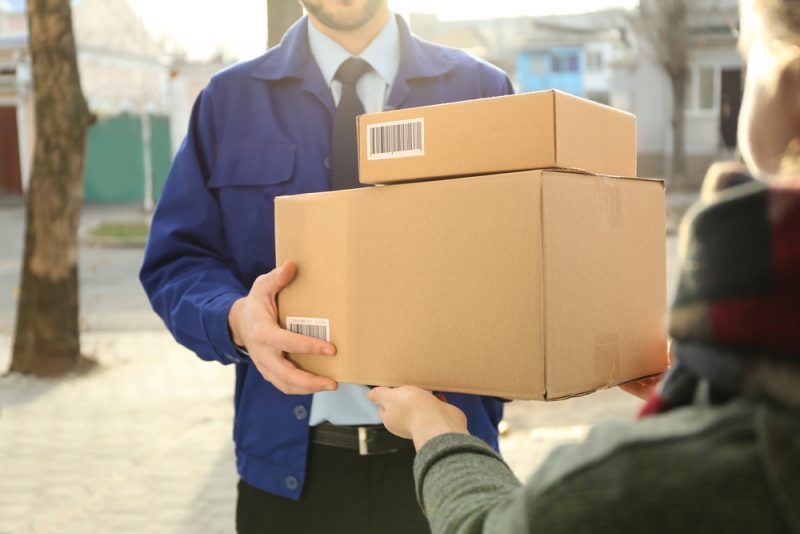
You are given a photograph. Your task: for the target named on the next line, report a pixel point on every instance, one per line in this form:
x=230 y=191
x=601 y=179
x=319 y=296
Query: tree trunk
x=665 y=23
x=47 y=338
x=280 y=15
x=679 y=173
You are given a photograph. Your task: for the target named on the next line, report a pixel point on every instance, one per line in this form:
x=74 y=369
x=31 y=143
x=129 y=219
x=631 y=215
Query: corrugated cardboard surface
x=419 y=284
x=605 y=272
x=447 y=285
x=594 y=138
x=540 y=130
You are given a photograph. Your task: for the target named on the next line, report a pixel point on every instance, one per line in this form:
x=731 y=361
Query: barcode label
x=398 y=139
x=307 y=326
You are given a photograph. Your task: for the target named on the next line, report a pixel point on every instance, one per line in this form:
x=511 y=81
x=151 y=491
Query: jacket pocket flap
x=267 y=165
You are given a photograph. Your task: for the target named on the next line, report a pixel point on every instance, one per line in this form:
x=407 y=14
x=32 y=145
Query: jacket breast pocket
x=245 y=182
x=261 y=167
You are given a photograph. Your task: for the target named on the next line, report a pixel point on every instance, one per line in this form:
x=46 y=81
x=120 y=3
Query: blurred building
x=494 y=40
x=188 y=79
x=572 y=53
x=125 y=79
x=16 y=100
x=604 y=56
x=714 y=91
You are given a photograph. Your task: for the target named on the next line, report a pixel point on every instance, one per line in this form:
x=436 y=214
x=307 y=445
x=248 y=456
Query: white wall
x=703 y=125
x=640 y=86
x=599 y=80
x=114 y=83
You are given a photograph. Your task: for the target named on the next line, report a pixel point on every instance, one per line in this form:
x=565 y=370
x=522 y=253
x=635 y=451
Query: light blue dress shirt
x=349 y=405
x=383 y=55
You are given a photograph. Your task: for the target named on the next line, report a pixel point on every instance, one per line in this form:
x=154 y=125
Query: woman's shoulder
x=619 y=438
x=690 y=457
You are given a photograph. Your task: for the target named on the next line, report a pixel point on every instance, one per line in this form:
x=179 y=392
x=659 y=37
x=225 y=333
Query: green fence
x=115 y=158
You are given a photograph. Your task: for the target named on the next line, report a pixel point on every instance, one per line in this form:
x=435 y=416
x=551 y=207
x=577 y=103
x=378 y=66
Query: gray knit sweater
x=731 y=468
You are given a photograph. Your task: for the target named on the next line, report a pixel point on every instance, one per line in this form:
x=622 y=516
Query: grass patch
x=121 y=230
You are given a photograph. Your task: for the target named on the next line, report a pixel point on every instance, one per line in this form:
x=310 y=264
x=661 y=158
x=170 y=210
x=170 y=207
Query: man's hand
x=253 y=321
x=413 y=413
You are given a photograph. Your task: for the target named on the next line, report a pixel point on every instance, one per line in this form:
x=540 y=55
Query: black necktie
x=344 y=156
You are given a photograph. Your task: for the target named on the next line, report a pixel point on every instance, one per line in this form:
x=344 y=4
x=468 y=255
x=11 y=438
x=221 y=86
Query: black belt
x=367 y=440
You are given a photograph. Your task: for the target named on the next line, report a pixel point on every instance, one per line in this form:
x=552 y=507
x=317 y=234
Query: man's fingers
x=285 y=376
x=299 y=344
x=290 y=379
x=278 y=278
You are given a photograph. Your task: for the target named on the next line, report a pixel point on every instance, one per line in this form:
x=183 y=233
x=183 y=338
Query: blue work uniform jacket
x=261 y=129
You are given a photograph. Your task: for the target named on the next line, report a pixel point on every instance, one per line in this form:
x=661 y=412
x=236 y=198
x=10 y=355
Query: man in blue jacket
x=311 y=453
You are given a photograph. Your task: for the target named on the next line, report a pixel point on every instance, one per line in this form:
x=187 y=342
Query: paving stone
x=142 y=444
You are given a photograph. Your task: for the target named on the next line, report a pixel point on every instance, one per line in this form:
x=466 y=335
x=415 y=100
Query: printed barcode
x=307 y=326
x=399 y=139
x=313 y=330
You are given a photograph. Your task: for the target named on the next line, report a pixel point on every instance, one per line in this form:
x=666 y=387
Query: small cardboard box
x=548 y=129
x=529 y=285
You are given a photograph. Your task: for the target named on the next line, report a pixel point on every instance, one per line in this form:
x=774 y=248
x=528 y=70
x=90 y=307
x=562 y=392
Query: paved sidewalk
x=111 y=298
x=142 y=442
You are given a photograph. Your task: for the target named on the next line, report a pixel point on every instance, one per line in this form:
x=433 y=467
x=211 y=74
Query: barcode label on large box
x=307 y=326
x=397 y=139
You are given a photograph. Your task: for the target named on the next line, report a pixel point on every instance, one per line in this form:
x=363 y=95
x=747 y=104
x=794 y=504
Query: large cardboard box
x=529 y=285
x=541 y=130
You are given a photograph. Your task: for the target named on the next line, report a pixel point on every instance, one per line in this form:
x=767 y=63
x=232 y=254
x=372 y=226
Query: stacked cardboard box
x=510 y=263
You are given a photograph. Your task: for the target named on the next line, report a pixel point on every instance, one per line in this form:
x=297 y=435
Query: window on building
x=594 y=60
x=701 y=88
x=565 y=62
x=572 y=63
x=706 y=88
x=556 y=63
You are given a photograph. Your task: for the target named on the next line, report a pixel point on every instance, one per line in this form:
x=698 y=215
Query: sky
x=203 y=27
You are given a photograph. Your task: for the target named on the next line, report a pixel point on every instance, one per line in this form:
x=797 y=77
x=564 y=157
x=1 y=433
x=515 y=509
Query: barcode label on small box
x=398 y=139
x=307 y=326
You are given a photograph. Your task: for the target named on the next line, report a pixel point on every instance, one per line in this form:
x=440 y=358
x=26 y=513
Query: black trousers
x=343 y=493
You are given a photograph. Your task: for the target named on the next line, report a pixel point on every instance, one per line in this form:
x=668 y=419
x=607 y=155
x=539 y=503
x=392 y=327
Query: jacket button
x=300 y=412
x=291 y=482
x=327 y=162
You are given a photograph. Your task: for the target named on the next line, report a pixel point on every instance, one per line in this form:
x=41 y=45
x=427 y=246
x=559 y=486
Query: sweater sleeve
x=673 y=473
x=464 y=487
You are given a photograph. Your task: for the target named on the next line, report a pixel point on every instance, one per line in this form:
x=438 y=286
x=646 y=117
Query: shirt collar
x=291 y=59
x=383 y=53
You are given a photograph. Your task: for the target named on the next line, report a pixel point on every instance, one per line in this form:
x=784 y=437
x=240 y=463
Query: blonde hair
x=782 y=23
x=782 y=18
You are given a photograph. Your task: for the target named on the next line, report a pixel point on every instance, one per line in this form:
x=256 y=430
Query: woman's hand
x=416 y=414
x=642 y=388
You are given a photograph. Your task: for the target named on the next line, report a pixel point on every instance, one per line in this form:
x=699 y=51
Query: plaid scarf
x=735 y=321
